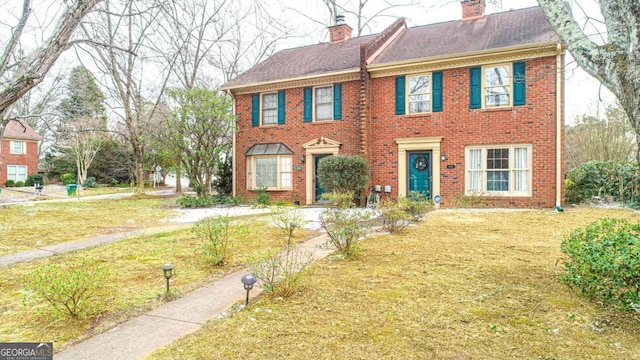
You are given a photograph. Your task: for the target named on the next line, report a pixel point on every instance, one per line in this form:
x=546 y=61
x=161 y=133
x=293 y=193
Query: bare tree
x=592 y=138
x=19 y=72
x=613 y=55
x=136 y=76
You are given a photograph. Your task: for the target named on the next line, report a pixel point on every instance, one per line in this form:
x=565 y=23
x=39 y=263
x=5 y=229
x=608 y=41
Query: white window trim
x=251 y=176
x=314 y=98
x=262 y=109
x=483 y=160
x=23 y=147
x=408 y=93
x=509 y=84
x=26 y=172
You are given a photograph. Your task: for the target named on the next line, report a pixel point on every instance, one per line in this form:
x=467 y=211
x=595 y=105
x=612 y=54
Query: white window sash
x=519 y=171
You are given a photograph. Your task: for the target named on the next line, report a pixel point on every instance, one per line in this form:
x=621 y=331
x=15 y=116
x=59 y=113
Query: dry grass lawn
x=137 y=283
x=25 y=227
x=463 y=284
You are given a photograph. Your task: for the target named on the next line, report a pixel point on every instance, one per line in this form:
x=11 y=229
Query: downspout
x=559 y=94
x=233 y=146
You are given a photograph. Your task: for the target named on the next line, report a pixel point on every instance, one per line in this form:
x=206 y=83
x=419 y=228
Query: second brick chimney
x=472 y=9
x=340 y=31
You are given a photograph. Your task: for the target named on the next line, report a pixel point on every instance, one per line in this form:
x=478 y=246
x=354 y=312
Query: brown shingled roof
x=304 y=61
x=20 y=130
x=501 y=30
x=527 y=26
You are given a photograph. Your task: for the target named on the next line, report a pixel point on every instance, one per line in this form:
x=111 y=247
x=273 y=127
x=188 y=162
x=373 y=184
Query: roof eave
x=309 y=80
x=465 y=59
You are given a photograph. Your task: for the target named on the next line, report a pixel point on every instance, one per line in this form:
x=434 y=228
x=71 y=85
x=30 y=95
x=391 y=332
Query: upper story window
x=497 y=85
x=17 y=147
x=419 y=90
x=419 y=94
x=503 y=170
x=269 y=109
x=323 y=103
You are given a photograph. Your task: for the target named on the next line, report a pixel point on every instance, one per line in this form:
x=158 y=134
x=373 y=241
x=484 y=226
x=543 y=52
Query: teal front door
x=419 y=173
x=319 y=190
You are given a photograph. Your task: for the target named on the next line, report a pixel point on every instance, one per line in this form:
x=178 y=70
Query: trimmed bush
x=34 y=179
x=620 y=180
x=68 y=179
x=343 y=174
x=90 y=182
x=605 y=262
x=9 y=183
x=19 y=183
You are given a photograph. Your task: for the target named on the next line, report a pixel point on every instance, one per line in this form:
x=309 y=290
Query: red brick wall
x=6 y=158
x=460 y=126
x=294 y=133
x=534 y=123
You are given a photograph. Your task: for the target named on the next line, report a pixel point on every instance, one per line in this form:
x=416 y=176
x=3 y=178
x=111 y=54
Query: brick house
x=455 y=109
x=18 y=151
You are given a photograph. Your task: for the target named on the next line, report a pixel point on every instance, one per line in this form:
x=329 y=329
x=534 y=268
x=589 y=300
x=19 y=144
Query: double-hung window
x=497 y=85
x=323 y=103
x=17 y=147
x=419 y=90
x=17 y=172
x=269 y=166
x=503 y=170
x=270 y=109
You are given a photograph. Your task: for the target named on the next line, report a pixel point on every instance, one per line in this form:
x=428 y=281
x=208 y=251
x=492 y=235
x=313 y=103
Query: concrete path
x=146 y=333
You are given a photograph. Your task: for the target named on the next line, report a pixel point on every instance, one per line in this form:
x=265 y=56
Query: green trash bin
x=71 y=189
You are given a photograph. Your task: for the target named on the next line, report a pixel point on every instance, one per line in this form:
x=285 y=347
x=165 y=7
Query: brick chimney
x=340 y=31
x=472 y=9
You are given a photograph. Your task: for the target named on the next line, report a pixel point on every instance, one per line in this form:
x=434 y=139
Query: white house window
x=497 y=85
x=269 y=166
x=17 y=147
x=270 y=109
x=323 y=103
x=503 y=170
x=17 y=172
x=419 y=94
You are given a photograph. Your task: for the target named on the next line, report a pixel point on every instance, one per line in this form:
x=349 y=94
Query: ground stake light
x=167 y=269
x=248 y=281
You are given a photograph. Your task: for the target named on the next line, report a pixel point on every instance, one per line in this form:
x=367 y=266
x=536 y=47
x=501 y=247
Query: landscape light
x=248 y=281
x=167 y=269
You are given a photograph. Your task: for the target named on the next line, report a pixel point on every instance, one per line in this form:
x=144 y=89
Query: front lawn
x=136 y=284
x=463 y=284
x=35 y=225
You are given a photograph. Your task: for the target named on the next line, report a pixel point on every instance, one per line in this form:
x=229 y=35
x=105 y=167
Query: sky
x=583 y=93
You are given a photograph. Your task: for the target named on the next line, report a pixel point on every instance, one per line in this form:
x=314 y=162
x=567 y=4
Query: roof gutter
x=283 y=83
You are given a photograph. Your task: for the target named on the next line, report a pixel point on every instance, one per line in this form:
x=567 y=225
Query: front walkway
x=146 y=333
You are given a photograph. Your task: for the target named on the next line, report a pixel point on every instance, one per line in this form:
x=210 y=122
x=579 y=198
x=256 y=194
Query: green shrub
x=9 y=183
x=224 y=178
x=34 y=179
x=341 y=200
x=282 y=273
x=68 y=179
x=90 y=182
x=343 y=174
x=77 y=289
x=262 y=196
x=620 y=180
x=394 y=218
x=605 y=262
x=19 y=183
x=215 y=232
x=417 y=204
x=344 y=228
